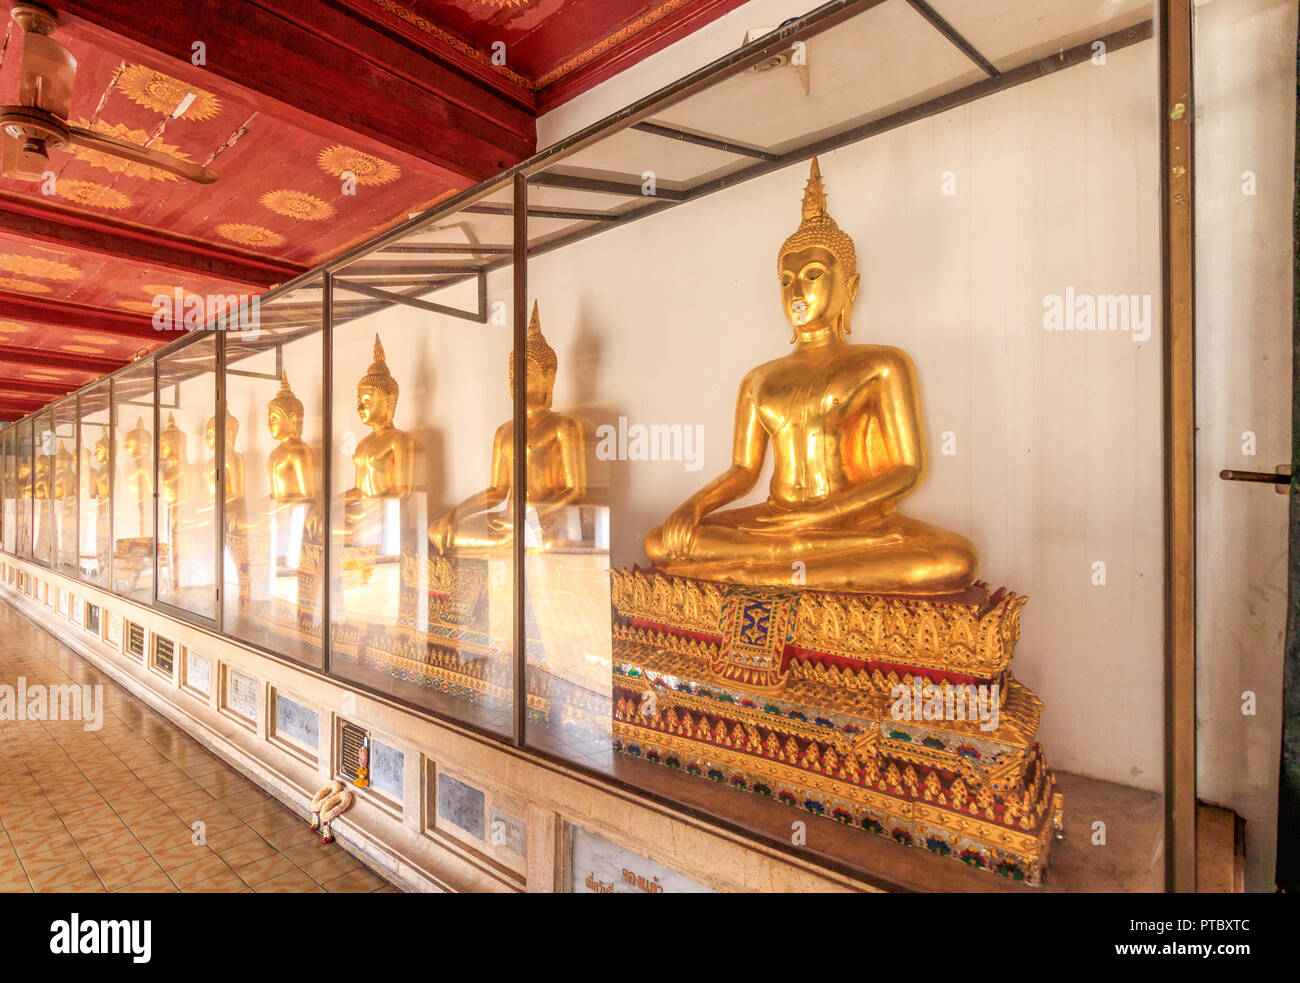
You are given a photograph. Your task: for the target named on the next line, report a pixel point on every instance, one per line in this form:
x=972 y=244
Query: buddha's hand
x=679 y=532
x=443 y=532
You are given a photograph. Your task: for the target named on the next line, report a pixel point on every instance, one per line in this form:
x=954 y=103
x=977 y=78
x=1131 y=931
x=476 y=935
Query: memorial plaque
x=601 y=867
x=351 y=740
x=241 y=694
x=115 y=630
x=78 y=611
x=297 y=722
x=387 y=770
x=507 y=831
x=135 y=639
x=92 y=619
x=198 y=672
x=63 y=602
x=164 y=655
x=461 y=804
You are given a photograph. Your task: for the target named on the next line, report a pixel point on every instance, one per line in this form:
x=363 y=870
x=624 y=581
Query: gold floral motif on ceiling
x=297 y=205
x=81 y=349
x=97 y=158
x=22 y=286
x=249 y=235
x=163 y=94
x=92 y=194
x=136 y=305
x=38 y=267
x=13 y=327
x=365 y=168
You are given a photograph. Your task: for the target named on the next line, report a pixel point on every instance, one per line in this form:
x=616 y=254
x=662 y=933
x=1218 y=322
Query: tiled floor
x=113 y=809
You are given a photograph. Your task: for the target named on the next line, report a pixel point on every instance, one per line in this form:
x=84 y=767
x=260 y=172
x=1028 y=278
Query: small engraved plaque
x=602 y=867
x=461 y=804
x=241 y=694
x=78 y=611
x=115 y=629
x=387 y=766
x=297 y=722
x=92 y=619
x=351 y=740
x=507 y=831
x=198 y=672
x=135 y=639
x=164 y=655
x=63 y=602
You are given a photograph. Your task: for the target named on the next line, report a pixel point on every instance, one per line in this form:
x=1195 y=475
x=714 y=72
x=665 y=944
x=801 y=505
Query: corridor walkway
x=113 y=809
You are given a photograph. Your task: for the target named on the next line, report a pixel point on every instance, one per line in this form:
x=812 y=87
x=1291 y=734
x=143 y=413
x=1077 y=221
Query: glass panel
x=133 y=499
x=188 y=479
x=274 y=387
x=42 y=479
x=421 y=565
x=9 y=491
x=23 y=473
x=781 y=521
x=64 y=487
x=96 y=477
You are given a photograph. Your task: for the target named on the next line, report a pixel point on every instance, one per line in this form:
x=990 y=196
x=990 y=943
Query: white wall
x=1245 y=94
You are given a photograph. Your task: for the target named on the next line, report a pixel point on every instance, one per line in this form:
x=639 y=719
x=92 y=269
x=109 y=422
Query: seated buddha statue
x=291 y=466
x=557 y=465
x=99 y=474
x=139 y=469
x=235 y=534
x=384 y=460
x=844 y=422
x=172 y=461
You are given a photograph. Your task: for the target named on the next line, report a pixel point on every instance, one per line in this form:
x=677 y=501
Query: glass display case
x=276 y=528
x=190 y=445
x=8 y=491
x=63 y=487
x=708 y=451
x=134 y=405
x=95 y=441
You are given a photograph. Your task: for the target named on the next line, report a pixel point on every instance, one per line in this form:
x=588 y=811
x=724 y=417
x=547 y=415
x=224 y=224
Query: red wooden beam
x=33 y=219
x=59 y=360
x=65 y=314
x=322 y=67
x=20 y=387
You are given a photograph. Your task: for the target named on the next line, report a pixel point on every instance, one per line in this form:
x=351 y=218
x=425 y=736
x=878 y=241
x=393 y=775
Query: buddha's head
x=171 y=442
x=63 y=460
x=232 y=431
x=818 y=269
x=284 y=412
x=377 y=392
x=138 y=442
x=540 y=363
x=101 y=450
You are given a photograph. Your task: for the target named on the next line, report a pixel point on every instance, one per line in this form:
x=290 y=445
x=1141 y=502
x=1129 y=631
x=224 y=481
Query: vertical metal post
x=157 y=429
x=1177 y=111
x=219 y=559
x=112 y=481
x=327 y=461
x=519 y=478
x=76 y=484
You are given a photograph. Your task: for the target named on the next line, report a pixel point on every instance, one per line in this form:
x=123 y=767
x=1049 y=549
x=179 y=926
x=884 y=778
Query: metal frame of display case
x=1171 y=29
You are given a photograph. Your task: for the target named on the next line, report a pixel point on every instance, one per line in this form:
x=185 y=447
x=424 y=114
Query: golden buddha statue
x=556 y=464
x=65 y=474
x=172 y=460
x=847 y=437
x=99 y=474
x=139 y=479
x=385 y=457
x=234 y=484
x=291 y=466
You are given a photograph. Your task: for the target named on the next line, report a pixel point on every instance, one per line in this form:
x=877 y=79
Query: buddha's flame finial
x=284 y=400
x=817 y=228
x=536 y=349
x=378 y=377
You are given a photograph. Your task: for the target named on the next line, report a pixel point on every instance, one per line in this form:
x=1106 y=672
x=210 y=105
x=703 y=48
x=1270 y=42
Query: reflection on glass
x=133 y=513
x=273 y=383
x=42 y=482
x=63 y=487
x=424 y=624
x=96 y=441
x=9 y=492
x=23 y=477
x=187 y=391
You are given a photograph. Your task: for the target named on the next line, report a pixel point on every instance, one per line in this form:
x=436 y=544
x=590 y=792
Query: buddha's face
x=374 y=408
x=101 y=451
x=170 y=445
x=814 y=289
x=135 y=446
x=541 y=384
x=282 y=425
x=210 y=434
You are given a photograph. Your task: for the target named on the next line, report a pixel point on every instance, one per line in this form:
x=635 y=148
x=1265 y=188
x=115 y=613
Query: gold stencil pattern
x=116 y=165
x=297 y=205
x=250 y=235
x=365 y=168
x=22 y=286
x=35 y=266
x=90 y=193
x=163 y=94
